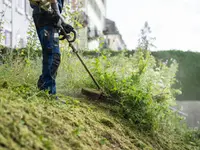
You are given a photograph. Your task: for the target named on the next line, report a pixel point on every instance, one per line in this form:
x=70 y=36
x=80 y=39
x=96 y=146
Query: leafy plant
x=142 y=86
x=1 y=35
x=2 y=14
x=145 y=40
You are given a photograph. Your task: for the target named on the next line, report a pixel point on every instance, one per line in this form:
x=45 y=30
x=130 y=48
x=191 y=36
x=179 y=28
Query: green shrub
x=143 y=88
x=187 y=74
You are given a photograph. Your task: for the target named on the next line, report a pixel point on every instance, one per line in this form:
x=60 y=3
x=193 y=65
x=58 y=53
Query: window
x=109 y=42
x=21 y=43
x=8 y=38
x=8 y=2
x=95 y=7
x=20 y=6
x=28 y=9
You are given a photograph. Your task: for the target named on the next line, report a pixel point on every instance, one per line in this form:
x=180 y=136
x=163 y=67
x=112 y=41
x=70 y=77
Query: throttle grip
x=66 y=35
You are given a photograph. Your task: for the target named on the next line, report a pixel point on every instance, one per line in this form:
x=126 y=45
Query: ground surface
x=38 y=123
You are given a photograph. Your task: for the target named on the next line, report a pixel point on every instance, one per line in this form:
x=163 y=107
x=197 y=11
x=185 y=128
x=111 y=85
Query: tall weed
x=143 y=88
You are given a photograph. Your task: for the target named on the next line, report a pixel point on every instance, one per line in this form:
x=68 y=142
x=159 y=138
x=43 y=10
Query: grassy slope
x=45 y=124
x=41 y=123
x=30 y=120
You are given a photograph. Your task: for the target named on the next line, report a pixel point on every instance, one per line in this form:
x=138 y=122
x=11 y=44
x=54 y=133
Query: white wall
x=95 y=20
x=21 y=20
x=115 y=42
x=16 y=20
x=5 y=7
x=98 y=22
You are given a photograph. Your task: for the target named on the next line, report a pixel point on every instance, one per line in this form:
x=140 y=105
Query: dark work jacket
x=44 y=18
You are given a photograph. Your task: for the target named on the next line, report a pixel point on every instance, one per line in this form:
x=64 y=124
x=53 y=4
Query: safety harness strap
x=44 y=4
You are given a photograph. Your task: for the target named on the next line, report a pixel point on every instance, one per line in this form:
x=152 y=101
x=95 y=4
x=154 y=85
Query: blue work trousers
x=49 y=39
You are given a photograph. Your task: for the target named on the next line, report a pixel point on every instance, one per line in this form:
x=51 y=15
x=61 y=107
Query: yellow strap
x=41 y=1
x=34 y=2
x=44 y=4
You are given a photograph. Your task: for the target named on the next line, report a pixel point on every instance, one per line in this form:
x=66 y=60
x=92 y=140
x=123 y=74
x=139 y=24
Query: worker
x=47 y=18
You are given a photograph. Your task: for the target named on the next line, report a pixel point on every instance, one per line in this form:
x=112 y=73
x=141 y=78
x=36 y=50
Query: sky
x=174 y=23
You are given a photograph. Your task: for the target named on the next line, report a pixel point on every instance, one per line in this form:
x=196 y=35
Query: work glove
x=56 y=10
x=68 y=29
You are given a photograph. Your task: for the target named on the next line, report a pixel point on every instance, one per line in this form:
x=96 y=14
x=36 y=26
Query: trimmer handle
x=67 y=35
x=74 y=39
x=66 y=29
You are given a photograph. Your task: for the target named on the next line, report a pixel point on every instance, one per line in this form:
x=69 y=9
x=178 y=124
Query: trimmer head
x=93 y=94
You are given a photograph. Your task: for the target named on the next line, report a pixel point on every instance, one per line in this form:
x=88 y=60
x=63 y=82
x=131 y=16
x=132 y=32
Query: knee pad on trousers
x=40 y=83
x=55 y=64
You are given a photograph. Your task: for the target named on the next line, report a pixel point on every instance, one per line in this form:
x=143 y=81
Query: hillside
x=45 y=124
x=41 y=123
x=32 y=120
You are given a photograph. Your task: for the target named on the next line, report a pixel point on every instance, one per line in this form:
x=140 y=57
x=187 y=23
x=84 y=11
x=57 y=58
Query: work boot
x=56 y=98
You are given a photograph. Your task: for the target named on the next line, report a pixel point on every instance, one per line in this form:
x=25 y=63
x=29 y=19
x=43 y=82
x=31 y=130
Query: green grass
x=31 y=120
x=188 y=72
x=41 y=123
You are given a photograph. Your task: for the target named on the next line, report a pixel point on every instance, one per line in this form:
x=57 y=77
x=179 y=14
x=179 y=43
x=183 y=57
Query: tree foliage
x=145 y=40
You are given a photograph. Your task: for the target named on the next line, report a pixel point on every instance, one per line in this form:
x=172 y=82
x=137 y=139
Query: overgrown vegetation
x=188 y=73
x=31 y=119
x=141 y=87
x=1 y=34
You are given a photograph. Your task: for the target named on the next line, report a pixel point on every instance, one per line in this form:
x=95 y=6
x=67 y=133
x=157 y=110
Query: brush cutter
x=65 y=32
x=68 y=33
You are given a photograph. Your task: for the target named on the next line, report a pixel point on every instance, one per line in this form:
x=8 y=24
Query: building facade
x=95 y=13
x=16 y=16
x=113 y=38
